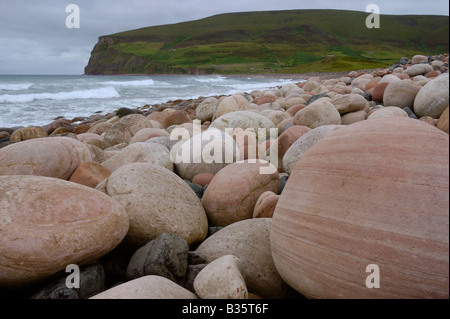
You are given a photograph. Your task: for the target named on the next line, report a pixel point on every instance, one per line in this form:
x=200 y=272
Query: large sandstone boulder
x=389 y=208
x=388 y=111
x=207 y=108
x=401 y=93
x=52 y=157
x=124 y=129
x=249 y=240
x=349 y=103
x=157 y=201
x=318 y=113
x=232 y=103
x=433 y=98
x=47 y=224
x=232 y=194
x=27 y=133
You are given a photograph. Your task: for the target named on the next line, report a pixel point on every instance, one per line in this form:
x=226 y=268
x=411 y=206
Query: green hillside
x=293 y=41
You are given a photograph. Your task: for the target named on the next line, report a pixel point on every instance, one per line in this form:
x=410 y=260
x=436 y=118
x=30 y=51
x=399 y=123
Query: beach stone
x=389 y=78
x=433 y=98
x=249 y=240
x=157 y=116
x=27 y=133
x=207 y=108
x=99 y=128
x=294 y=109
x=163 y=140
x=140 y=152
x=198 y=190
x=124 y=111
x=278 y=116
x=378 y=92
x=207 y=152
x=4 y=135
x=265 y=205
x=388 y=111
x=47 y=224
x=79 y=129
x=284 y=125
x=232 y=194
x=53 y=157
x=349 y=103
x=176 y=118
x=157 y=201
x=265 y=98
x=147 y=287
x=289 y=136
x=49 y=128
x=317 y=97
x=409 y=112
x=203 y=179
x=436 y=64
x=147 y=133
x=232 y=103
x=353 y=117
x=290 y=88
x=401 y=93
x=89 y=174
x=191 y=274
x=418 y=69
x=283 y=180
x=165 y=256
x=125 y=128
x=221 y=279
x=246 y=142
x=97 y=154
x=443 y=121
x=92 y=282
x=87 y=137
x=406 y=239
x=429 y=120
x=304 y=143
x=419 y=59
x=317 y=114
x=431 y=74
x=260 y=124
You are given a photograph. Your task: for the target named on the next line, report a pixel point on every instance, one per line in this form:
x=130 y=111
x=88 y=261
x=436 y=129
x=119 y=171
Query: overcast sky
x=34 y=38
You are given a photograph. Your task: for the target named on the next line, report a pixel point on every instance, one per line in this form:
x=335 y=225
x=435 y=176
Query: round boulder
x=433 y=98
x=318 y=113
x=401 y=93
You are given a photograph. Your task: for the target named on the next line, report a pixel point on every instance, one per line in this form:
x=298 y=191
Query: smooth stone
x=443 y=121
x=27 y=133
x=260 y=124
x=221 y=279
x=336 y=215
x=316 y=97
x=265 y=205
x=433 y=98
x=191 y=273
x=410 y=112
x=230 y=104
x=378 y=92
x=147 y=133
x=49 y=128
x=207 y=152
x=207 y=108
x=317 y=114
x=140 y=152
x=89 y=174
x=389 y=78
x=47 y=224
x=303 y=144
x=176 y=118
x=418 y=69
x=198 y=189
x=353 y=117
x=163 y=140
x=92 y=282
x=165 y=256
x=283 y=181
x=124 y=111
x=401 y=93
x=147 y=287
x=52 y=157
x=232 y=194
x=125 y=128
x=249 y=240
x=349 y=103
x=157 y=201
x=289 y=136
x=388 y=111
x=99 y=128
x=419 y=59
x=290 y=88
x=88 y=137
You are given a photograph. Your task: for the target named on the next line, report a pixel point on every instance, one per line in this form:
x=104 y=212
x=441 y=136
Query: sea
x=38 y=99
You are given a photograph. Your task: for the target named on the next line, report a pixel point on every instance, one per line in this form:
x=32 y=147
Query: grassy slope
x=278 y=41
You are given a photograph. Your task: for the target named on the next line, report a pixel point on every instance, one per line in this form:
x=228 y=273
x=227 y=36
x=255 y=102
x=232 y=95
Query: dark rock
x=92 y=282
x=283 y=181
x=49 y=128
x=410 y=112
x=213 y=229
x=191 y=273
x=115 y=270
x=316 y=97
x=194 y=258
x=165 y=256
x=124 y=111
x=10 y=130
x=367 y=96
x=4 y=142
x=198 y=190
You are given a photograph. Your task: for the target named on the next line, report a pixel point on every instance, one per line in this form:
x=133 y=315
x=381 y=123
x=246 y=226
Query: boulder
x=338 y=220
x=207 y=108
x=443 y=121
x=27 y=133
x=289 y=136
x=265 y=205
x=203 y=179
x=378 y=92
x=232 y=194
x=349 y=103
x=419 y=59
x=388 y=111
x=89 y=174
x=221 y=279
x=318 y=113
x=433 y=98
x=353 y=117
x=47 y=224
x=176 y=118
x=232 y=103
x=147 y=287
x=418 y=69
x=147 y=133
x=400 y=93
x=52 y=157
x=157 y=201
x=125 y=128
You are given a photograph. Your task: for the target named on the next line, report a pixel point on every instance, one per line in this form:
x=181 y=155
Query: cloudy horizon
x=35 y=40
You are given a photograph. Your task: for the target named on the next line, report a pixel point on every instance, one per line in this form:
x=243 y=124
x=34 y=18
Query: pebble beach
x=356 y=174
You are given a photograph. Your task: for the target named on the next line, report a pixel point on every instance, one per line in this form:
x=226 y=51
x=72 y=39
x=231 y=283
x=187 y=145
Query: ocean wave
x=103 y=93
x=15 y=86
x=210 y=79
x=148 y=82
